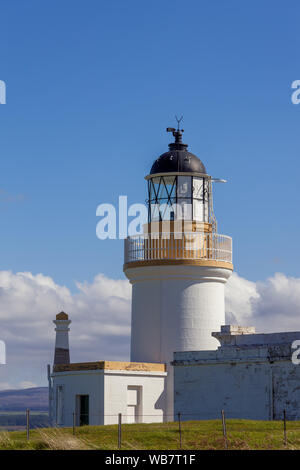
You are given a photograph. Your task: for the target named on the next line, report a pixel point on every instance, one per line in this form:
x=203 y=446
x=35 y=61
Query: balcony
x=194 y=246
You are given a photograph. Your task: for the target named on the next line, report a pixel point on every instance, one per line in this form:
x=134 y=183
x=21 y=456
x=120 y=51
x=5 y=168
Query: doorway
x=82 y=410
x=134 y=404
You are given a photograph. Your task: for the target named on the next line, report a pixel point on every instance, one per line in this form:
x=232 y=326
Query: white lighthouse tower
x=179 y=266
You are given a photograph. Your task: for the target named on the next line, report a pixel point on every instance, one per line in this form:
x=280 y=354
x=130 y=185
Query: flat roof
x=111 y=365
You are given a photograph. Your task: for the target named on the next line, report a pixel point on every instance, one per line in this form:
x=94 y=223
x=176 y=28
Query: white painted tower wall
x=62 y=334
x=175 y=308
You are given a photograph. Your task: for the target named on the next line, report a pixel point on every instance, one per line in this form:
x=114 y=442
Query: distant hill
x=36 y=399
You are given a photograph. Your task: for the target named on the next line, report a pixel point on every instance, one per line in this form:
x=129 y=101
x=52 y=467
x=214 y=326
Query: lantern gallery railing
x=169 y=246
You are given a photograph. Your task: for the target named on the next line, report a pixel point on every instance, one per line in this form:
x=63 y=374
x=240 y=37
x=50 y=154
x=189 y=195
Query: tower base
x=175 y=308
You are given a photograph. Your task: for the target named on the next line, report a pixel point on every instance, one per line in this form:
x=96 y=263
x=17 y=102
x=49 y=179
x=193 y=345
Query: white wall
x=80 y=383
x=241 y=390
x=62 y=333
x=255 y=383
x=153 y=395
x=107 y=392
x=175 y=308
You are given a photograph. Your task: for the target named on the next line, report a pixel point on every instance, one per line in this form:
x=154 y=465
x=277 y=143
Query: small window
x=59 y=404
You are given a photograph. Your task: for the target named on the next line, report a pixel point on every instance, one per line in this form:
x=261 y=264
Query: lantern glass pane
x=198 y=188
x=198 y=210
x=184 y=186
x=183 y=209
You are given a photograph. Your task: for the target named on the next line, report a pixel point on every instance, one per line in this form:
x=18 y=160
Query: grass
x=202 y=435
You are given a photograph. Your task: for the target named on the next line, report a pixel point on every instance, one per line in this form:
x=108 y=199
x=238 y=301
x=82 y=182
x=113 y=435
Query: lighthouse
x=179 y=266
x=62 y=352
x=182 y=352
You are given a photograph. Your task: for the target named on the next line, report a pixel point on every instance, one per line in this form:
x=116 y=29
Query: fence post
x=74 y=423
x=284 y=427
x=224 y=429
x=120 y=431
x=27 y=423
x=180 y=435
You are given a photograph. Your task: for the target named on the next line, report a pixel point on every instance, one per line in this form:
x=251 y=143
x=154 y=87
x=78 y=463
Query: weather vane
x=178 y=121
x=176 y=133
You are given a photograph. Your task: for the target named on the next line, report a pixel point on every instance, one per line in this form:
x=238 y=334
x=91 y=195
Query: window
x=200 y=199
x=59 y=404
x=198 y=188
x=177 y=197
x=184 y=186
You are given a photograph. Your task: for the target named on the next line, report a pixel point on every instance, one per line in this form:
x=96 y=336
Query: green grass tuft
x=202 y=435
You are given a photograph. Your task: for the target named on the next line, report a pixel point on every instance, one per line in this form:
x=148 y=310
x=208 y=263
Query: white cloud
x=270 y=306
x=239 y=295
x=100 y=329
x=25 y=384
x=15 y=386
x=100 y=314
x=6 y=386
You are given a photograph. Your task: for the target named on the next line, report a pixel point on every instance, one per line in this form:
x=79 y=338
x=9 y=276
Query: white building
x=98 y=391
x=251 y=376
x=178 y=269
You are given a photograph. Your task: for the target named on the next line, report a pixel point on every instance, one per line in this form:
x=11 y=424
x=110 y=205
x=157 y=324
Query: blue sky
x=91 y=87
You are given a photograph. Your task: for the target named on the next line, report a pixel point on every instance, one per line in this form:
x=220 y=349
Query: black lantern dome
x=177 y=159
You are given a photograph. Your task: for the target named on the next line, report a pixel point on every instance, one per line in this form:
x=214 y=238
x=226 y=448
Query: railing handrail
x=183 y=233
x=176 y=245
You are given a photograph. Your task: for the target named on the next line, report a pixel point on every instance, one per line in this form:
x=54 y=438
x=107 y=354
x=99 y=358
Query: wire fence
x=179 y=430
x=17 y=420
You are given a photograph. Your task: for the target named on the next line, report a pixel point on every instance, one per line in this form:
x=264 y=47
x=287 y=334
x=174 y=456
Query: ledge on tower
x=240 y=337
x=227 y=335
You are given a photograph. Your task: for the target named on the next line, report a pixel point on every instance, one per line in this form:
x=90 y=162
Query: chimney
x=62 y=353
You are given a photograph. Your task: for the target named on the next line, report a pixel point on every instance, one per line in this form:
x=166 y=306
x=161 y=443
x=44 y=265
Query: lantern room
x=178 y=186
x=181 y=222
